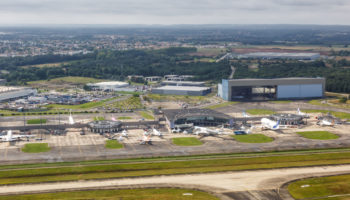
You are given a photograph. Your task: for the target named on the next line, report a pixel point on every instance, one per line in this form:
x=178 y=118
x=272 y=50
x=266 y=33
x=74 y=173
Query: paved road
x=245 y=185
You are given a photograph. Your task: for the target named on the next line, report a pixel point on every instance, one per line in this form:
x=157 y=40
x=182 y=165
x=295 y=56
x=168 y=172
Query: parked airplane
x=70 y=119
x=124 y=133
x=157 y=133
x=326 y=122
x=146 y=139
x=9 y=137
x=302 y=113
x=245 y=114
x=269 y=124
x=205 y=131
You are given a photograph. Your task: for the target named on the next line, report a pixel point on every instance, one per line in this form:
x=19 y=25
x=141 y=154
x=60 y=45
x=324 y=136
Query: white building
x=111 y=85
x=11 y=93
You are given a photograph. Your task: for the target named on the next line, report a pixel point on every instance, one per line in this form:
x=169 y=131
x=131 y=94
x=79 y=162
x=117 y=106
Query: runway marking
x=94 y=143
x=5 y=153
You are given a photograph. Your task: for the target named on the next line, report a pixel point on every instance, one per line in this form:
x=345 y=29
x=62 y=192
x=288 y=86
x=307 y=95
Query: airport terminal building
x=197 y=117
x=271 y=89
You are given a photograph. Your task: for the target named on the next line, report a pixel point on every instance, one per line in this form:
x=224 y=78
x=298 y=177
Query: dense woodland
x=117 y=65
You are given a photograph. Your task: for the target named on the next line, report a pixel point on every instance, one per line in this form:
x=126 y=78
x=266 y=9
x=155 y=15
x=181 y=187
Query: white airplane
x=10 y=137
x=204 y=131
x=269 y=124
x=302 y=113
x=120 y=138
x=124 y=133
x=146 y=139
x=245 y=114
x=157 y=133
x=70 y=119
x=113 y=118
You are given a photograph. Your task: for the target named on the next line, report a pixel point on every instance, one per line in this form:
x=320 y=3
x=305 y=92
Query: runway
x=233 y=185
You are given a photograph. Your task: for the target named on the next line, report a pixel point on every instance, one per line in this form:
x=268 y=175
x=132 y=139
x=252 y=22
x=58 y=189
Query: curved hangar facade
x=199 y=117
x=271 y=89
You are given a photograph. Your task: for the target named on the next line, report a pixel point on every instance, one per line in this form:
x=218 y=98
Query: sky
x=327 y=12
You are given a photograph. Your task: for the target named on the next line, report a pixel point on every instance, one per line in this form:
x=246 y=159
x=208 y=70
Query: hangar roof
x=173 y=114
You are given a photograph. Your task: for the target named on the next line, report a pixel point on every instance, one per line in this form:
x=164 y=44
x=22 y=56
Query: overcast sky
x=175 y=12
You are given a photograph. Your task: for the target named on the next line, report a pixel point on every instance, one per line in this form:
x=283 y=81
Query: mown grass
x=99 y=118
x=124 y=118
x=118 y=170
x=321 y=187
x=113 y=144
x=36 y=121
x=36 y=148
x=186 y=141
x=131 y=103
x=125 y=194
x=81 y=106
x=68 y=79
x=252 y=138
x=260 y=112
x=281 y=101
x=187 y=99
x=146 y=115
x=221 y=105
x=318 y=135
x=341 y=115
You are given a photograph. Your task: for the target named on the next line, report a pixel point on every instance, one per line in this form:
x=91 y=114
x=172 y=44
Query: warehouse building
x=12 y=93
x=278 y=55
x=184 y=83
x=111 y=85
x=182 y=90
x=153 y=78
x=271 y=89
x=197 y=117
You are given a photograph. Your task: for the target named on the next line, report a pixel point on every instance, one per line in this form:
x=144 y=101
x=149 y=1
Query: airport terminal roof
x=173 y=114
x=182 y=88
x=108 y=83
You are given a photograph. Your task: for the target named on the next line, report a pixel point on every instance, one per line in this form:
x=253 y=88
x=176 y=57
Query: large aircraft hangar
x=271 y=89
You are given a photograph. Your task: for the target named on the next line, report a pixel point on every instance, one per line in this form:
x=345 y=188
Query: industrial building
x=12 y=93
x=178 y=78
x=184 y=83
x=105 y=126
x=2 y=81
x=197 y=117
x=153 y=78
x=111 y=85
x=278 y=55
x=182 y=90
x=288 y=119
x=271 y=89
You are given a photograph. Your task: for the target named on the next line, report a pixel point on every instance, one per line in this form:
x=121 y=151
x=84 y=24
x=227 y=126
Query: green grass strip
x=172 y=167
x=221 y=105
x=260 y=112
x=113 y=144
x=252 y=138
x=36 y=121
x=186 y=141
x=129 y=194
x=318 y=135
x=320 y=188
x=146 y=115
x=36 y=148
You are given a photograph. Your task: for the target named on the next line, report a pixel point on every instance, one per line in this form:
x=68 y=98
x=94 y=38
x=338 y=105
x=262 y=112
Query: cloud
x=171 y=11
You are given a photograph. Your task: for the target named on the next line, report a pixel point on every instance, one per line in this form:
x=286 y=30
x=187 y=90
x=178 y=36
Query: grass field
x=99 y=118
x=113 y=144
x=318 y=102
x=318 y=135
x=36 y=121
x=81 y=106
x=281 y=101
x=186 y=141
x=68 y=80
x=149 y=167
x=221 y=105
x=320 y=188
x=130 y=194
x=260 y=112
x=341 y=115
x=252 y=138
x=36 y=148
x=124 y=118
x=187 y=99
x=146 y=115
x=131 y=103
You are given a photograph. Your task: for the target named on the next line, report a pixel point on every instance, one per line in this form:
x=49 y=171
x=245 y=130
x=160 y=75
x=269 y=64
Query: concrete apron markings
x=219 y=182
